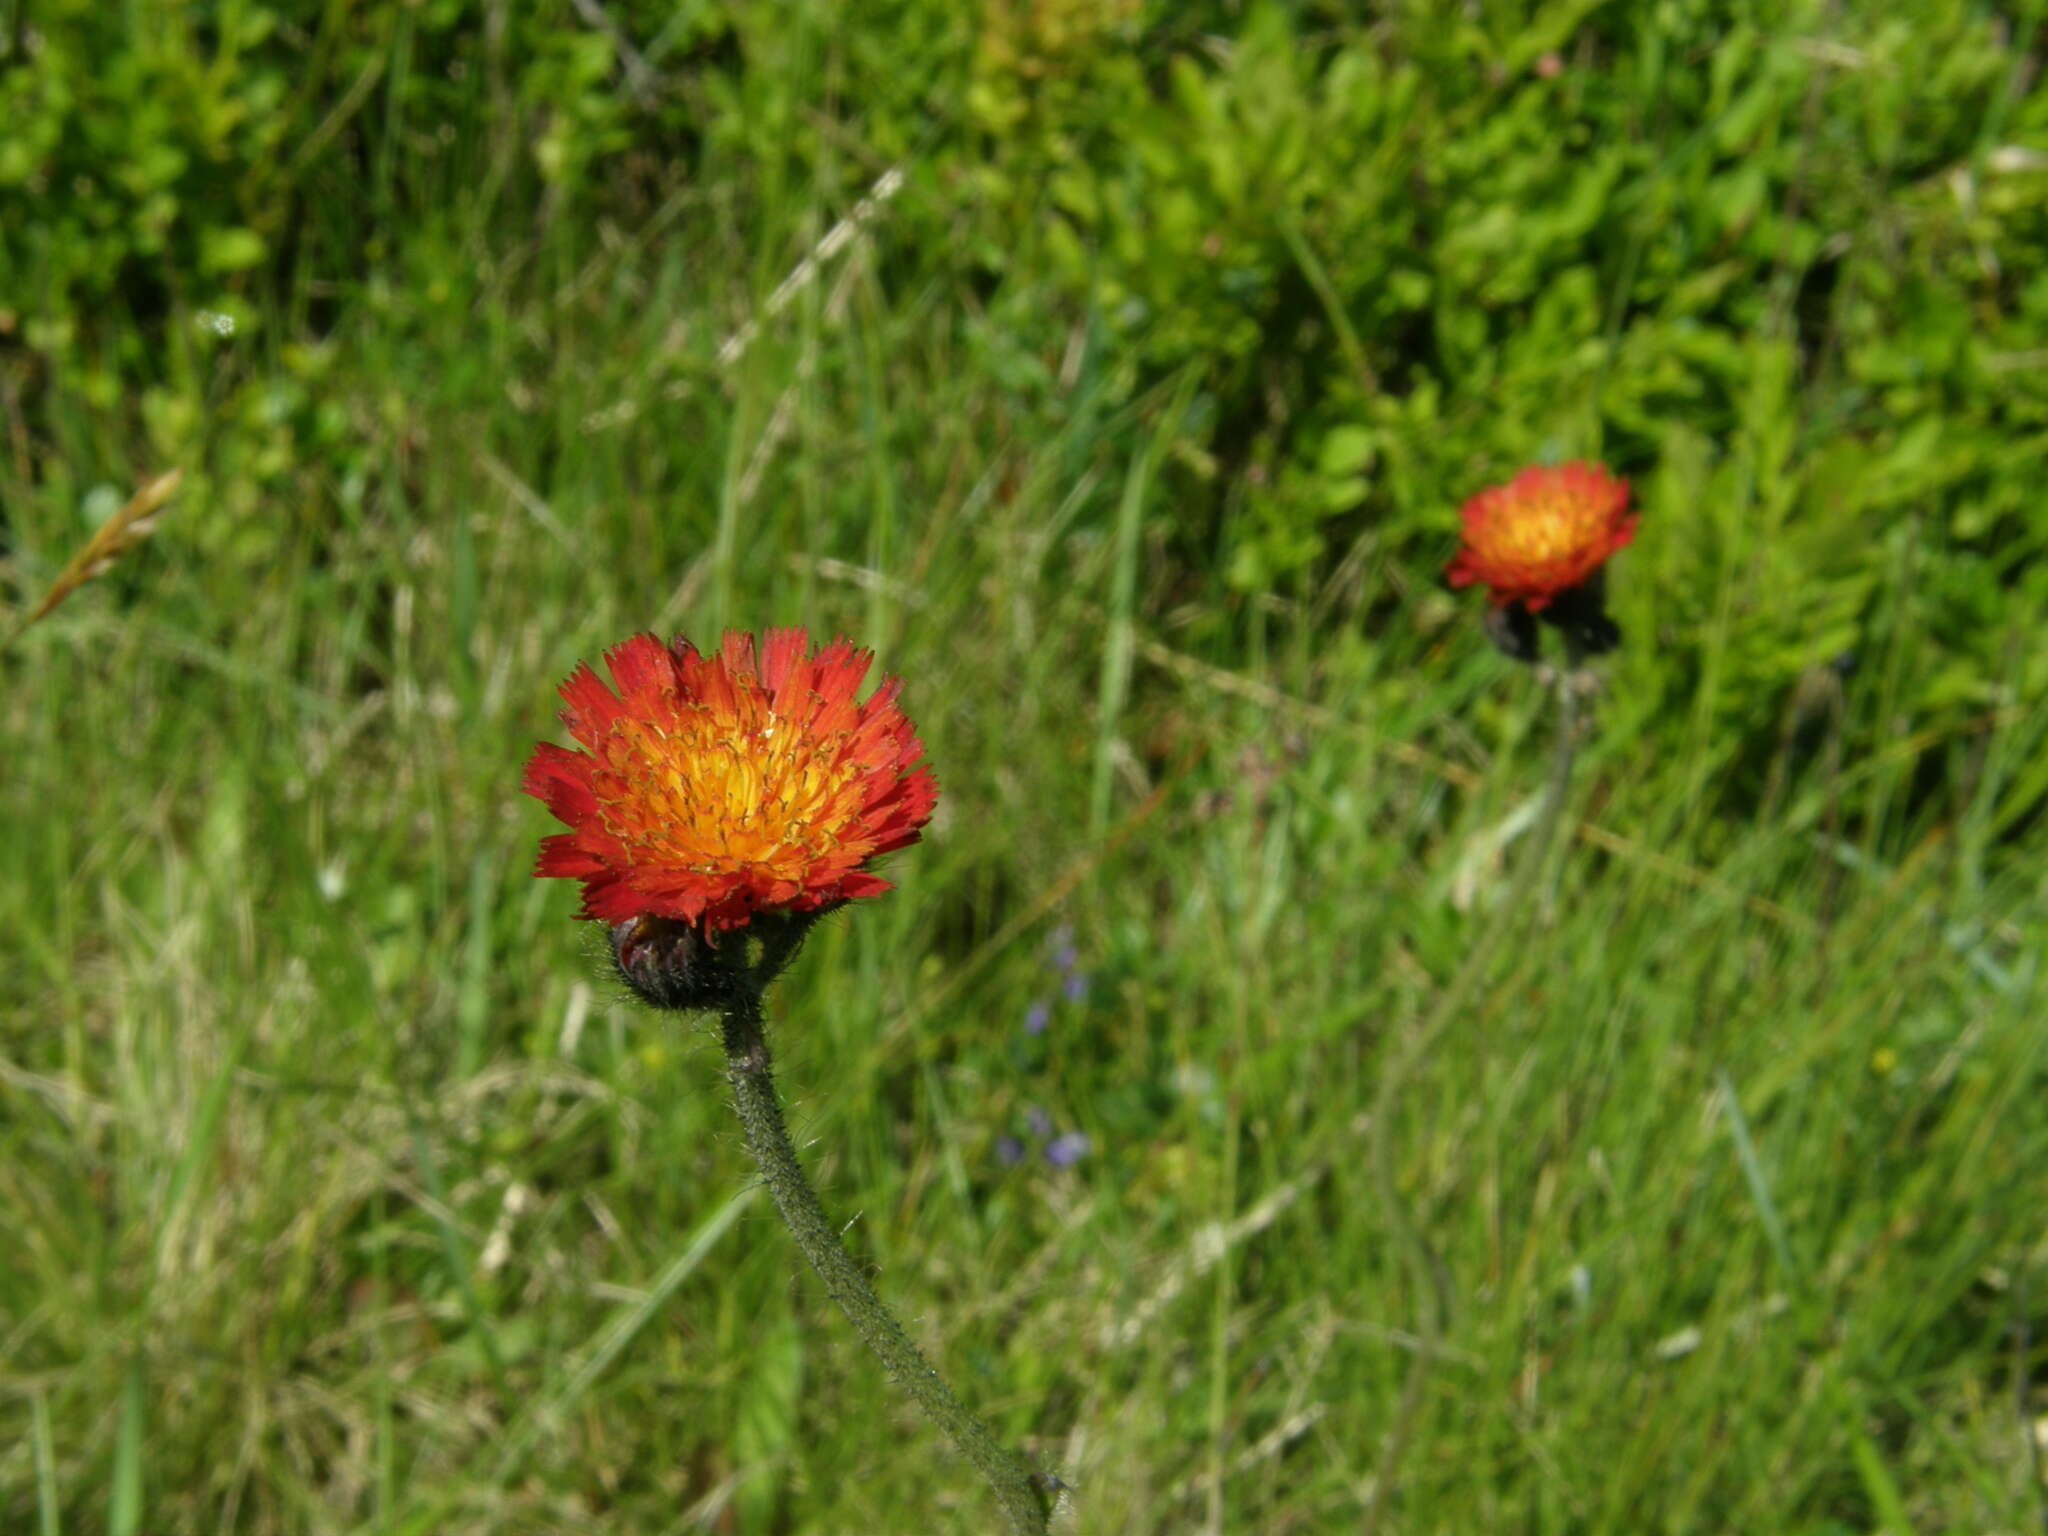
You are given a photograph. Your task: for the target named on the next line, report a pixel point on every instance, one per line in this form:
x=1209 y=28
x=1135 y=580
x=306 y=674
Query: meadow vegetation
x=1116 y=370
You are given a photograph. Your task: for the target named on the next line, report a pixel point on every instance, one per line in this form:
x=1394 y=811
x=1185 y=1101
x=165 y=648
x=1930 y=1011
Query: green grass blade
x=124 y=1507
x=456 y=1261
x=1123 y=590
x=1753 y=1175
x=618 y=1335
x=49 y=1521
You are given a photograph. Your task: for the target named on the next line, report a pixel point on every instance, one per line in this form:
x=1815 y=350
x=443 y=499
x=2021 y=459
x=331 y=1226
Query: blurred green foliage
x=1783 y=269
x=1409 y=256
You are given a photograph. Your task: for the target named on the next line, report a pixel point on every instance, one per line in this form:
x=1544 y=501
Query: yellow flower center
x=717 y=791
x=1546 y=525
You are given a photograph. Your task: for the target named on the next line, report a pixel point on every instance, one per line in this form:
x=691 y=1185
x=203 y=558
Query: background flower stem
x=1432 y=1279
x=753 y=1089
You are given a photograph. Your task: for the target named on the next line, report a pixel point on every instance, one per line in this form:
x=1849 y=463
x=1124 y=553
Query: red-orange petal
x=1545 y=532
x=710 y=788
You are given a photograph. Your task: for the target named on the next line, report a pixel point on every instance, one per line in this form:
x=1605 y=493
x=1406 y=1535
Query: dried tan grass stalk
x=110 y=541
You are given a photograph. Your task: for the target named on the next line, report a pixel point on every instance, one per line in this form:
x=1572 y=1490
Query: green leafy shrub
x=1790 y=260
x=1782 y=271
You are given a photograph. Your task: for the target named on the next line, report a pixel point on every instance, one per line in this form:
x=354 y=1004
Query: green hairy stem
x=1022 y=1494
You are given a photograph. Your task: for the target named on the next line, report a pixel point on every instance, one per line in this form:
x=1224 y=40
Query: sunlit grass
x=341 y=1191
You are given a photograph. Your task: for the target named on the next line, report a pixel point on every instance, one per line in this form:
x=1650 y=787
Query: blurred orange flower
x=1546 y=532
x=713 y=788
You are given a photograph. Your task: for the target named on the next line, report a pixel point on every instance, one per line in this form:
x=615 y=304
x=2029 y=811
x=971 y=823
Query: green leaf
x=229 y=250
x=1346 y=451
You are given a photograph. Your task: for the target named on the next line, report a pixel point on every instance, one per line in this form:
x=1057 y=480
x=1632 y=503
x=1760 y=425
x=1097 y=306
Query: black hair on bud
x=676 y=965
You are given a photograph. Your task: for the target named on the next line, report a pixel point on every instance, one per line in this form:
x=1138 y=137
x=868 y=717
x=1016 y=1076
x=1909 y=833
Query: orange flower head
x=711 y=789
x=1543 y=534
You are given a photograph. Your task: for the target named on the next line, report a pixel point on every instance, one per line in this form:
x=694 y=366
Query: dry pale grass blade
x=805 y=272
x=1209 y=1246
x=1192 y=670
x=113 y=539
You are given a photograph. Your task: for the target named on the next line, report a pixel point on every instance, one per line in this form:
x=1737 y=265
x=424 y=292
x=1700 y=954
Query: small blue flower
x=1076 y=987
x=1009 y=1151
x=1065 y=957
x=1041 y=1122
x=1065 y=1151
x=1039 y=1016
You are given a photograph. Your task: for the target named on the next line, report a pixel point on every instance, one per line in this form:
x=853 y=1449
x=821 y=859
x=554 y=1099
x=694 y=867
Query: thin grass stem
x=1431 y=1275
